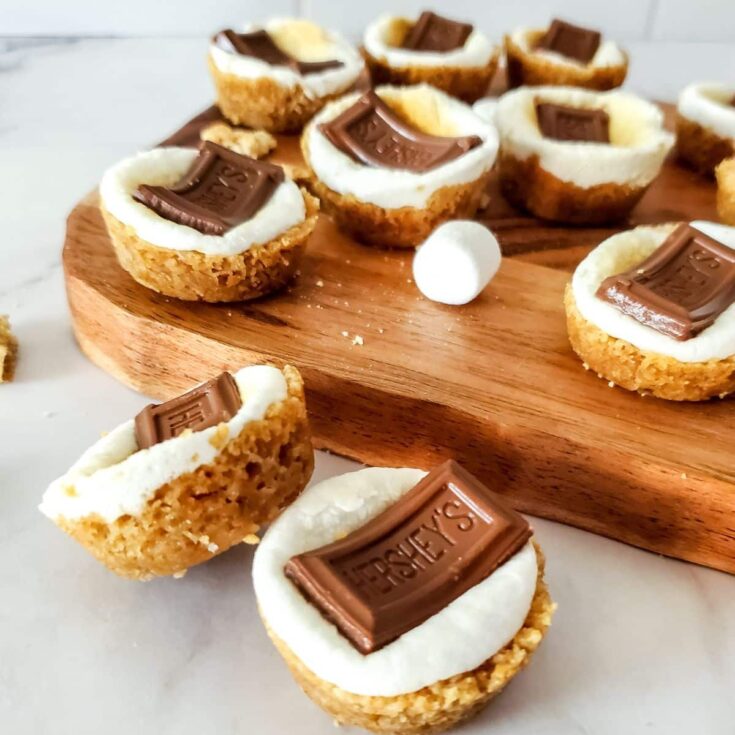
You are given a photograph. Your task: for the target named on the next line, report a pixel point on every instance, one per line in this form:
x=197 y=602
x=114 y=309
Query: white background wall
x=627 y=20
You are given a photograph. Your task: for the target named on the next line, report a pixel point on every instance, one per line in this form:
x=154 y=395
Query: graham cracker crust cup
x=526 y=68
x=700 y=148
x=263 y=103
x=468 y=83
x=648 y=373
x=193 y=276
x=528 y=186
x=203 y=513
x=725 y=175
x=442 y=705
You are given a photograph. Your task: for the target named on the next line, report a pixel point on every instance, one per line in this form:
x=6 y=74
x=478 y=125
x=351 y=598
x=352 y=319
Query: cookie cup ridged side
x=725 y=174
x=202 y=513
x=468 y=83
x=529 y=186
x=194 y=276
x=649 y=373
x=263 y=103
x=441 y=705
x=526 y=68
x=701 y=148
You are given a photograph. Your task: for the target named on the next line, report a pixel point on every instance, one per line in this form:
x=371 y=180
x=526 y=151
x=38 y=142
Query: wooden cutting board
x=493 y=384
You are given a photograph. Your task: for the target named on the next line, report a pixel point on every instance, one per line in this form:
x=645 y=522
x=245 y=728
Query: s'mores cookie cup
x=207 y=225
x=571 y=155
x=653 y=310
x=187 y=479
x=452 y=56
x=564 y=54
x=705 y=125
x=392 y=164
x=402 y=602
x=725 y=175
x=276 y=76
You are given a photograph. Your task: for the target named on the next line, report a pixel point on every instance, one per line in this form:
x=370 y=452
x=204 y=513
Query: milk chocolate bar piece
x=260 y=45
x=440 y=539
x=571 y=41
x=207 y=405
x=681 y=288
x=370 y=133
x=562 y=122
x=221 y=190
x=432 y=32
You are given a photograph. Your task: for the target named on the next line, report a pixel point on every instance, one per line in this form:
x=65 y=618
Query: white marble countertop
x=640 y=644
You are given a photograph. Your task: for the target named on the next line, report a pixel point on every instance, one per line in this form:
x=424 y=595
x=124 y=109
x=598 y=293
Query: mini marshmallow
x=456 y=262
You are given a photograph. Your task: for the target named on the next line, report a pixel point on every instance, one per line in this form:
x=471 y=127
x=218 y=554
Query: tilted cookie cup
x=276 y=98
x=528 y=66
x=725 y=174
x=260 y=461
x=636 y=357
x=705 y=126
x=397 y=208
x=579 y=182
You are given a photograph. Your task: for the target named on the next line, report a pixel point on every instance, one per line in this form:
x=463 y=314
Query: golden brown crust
x=530 y=69
x=700 y=148
x=202 y=513
x=194 y=276
x=725 y=174
x=469 y=83
x=8 y=351
x=528 y=186
x=647 y=373
x=441 y=705
x=263 y=103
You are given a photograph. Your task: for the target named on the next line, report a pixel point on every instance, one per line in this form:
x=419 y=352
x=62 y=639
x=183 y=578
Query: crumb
x=585 y=366
x=220 y=436
x=381 y=330
x=610 y=384
x=683 y=475
x=358 y=340
x=345 y=333
x=8 y=351
x=320 y=283
x=212 y=548
x=253 y=143
x=251 y=539
x=71 y=491
x=181 y=574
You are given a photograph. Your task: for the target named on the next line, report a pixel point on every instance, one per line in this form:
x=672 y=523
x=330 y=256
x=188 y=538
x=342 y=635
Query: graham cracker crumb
x=253 y=143
x=358 y=340
x=181 y=574
x=251 y=539
x=220 y=436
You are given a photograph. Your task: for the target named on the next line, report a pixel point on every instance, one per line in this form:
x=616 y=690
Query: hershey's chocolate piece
x=432 y=32
x=681 y=288
x=221 y=190
x=260 y=45
x=440 y=539
x=370 y=133
x=571 y=41
x=562 y=122
x=207 y=405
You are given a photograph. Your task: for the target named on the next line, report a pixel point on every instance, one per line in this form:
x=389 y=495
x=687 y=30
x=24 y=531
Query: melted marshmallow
x=392 y=188
x=112 y=478
x=305 y=42
x=639 y=143
x=164 y=167
x=622 y=252
x=607 y=54
x=707 y=104
x=460 y=637
x=476 y=51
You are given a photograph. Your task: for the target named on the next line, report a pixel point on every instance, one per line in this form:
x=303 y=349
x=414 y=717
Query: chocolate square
x=681 y=288
x=207 y=405
x=221 y=190
x=370 y=133
x=432 y=32
x=441 y=538
x=561 y=122
x=571 y=41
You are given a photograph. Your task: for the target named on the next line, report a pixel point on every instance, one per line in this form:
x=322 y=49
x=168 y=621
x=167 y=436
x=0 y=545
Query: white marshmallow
x=485 y=109
x=456 y=262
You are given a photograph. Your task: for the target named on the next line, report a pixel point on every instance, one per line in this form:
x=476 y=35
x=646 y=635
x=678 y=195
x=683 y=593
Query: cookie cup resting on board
x=464 y=72
x=725 y=175
x=529 y=66
x=279 y=99
x=574 y=181
x=705 y=125
x=435 y=675
x=158 y=511
x=252 y=259
x=394 y=207
x=632 y=355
